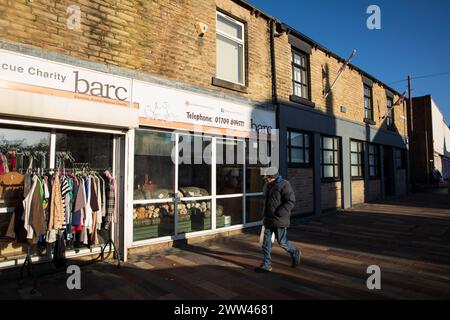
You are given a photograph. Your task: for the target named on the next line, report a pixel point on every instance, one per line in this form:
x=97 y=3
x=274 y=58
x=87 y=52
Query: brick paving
x=408 y=238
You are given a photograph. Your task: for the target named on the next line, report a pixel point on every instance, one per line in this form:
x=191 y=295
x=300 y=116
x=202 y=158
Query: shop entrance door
x=229 y=191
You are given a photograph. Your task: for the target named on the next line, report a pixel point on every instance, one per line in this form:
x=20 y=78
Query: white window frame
x=213 y=197
x=239 y=41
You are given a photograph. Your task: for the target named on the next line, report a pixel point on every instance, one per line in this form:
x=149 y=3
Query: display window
x=58 y=192
x=254 y=208
x=194 y=183
x=154 y=170
x=200 y=187
x=230 y=158
x=194 y=165
x=154 y=185
x=254 y=180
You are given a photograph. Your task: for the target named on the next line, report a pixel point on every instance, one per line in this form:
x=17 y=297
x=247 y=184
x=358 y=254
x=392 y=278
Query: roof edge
x=313 y=43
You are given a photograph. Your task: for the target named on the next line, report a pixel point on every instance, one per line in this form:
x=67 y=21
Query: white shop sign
x=165 y=104
x=55 y=90
x=18 y=68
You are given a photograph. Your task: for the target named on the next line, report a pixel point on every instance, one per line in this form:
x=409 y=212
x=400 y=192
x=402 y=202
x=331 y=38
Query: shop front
x=196 y=164
x=62 y=147
x=87 y=156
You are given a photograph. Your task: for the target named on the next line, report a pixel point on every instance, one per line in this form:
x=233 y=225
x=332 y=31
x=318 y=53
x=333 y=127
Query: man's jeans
x=281 y=236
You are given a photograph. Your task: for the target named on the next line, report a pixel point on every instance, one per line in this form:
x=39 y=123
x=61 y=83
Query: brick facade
x=347 y=92
x=331 y=193
x=358 y=192
x=157 y=37
x=301 y=180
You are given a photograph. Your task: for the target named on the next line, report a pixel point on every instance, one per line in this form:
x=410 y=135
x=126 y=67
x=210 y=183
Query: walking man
x=279 y=201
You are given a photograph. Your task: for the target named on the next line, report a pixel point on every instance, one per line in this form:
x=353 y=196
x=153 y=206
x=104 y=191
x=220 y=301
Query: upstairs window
x=300 y=75
x=368 y=103
x=230 y=45
x=390 y=113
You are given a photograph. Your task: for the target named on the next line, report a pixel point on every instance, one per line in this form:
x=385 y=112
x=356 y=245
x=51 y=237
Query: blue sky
x=414 y=38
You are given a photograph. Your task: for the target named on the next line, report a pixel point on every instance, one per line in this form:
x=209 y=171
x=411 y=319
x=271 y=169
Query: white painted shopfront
x=51 y=122
x=203 y=198
x=64 y=118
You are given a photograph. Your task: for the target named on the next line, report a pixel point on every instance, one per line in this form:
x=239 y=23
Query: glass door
x=82 y=158
x=254 y=183
x=230 y=158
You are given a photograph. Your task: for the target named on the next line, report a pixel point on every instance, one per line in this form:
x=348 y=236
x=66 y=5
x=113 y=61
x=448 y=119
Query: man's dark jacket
x=279 y=202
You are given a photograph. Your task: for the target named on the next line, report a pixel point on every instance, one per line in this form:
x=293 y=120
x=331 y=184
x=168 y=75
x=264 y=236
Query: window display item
x=194 y=192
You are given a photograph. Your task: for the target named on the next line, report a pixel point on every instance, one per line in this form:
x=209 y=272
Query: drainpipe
x=274 y=82
x=274 y=73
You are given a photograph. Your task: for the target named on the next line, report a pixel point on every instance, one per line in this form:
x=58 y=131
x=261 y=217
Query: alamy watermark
x=74 y=280
x=374 y=20
x=73 y=14
x=260 y=149
x=374 y=280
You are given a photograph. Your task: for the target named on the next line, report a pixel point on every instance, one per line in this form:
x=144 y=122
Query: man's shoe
x=263 y=269
x=296 y=258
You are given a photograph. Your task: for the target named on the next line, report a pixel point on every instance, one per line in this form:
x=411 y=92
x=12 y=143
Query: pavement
x=407 y=238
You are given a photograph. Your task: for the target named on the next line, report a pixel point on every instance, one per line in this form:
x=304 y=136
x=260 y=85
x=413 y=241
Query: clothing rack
x=28 y=263
x=111 y=245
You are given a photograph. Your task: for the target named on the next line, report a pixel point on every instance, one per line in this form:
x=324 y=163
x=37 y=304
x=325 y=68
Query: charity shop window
x=57 y=191
x=154 y=185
